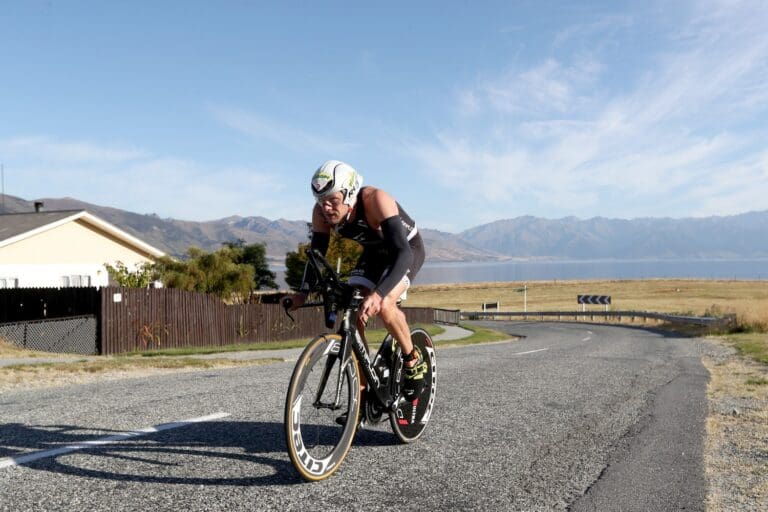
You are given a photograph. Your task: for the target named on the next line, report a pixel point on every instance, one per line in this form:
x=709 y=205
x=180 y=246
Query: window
x=9 y=282
x=75 y=281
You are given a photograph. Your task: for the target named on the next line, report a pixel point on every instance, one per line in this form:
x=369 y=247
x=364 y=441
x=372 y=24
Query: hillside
x=736 y=236
x=280 y=236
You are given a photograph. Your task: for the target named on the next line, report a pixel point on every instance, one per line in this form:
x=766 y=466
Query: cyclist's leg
x=371 y=268
x=394 y=318
x=364 y=276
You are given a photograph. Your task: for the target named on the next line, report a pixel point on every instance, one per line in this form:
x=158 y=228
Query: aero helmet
x=335 y=176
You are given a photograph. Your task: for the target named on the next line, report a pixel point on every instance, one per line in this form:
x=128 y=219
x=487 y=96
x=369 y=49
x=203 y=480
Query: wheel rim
x=317 y=444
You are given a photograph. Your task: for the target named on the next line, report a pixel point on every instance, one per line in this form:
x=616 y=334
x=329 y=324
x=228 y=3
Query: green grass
x=176 y=358
x=757 y=382
x=752 y=345
x=479 y=335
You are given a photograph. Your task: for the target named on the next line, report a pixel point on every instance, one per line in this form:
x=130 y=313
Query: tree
x=203 y=272
x=295 y=262
x=254 y=255
x=141 y=277
x=339 y=247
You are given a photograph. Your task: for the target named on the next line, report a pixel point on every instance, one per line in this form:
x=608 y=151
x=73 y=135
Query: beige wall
x=71 y=243
x=74 y=248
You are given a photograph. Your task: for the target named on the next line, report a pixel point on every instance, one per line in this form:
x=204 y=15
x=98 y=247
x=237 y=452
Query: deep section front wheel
x=410 y=419
x=321 y=390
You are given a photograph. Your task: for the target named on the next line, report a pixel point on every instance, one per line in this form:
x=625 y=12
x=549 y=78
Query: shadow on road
x=151 y=458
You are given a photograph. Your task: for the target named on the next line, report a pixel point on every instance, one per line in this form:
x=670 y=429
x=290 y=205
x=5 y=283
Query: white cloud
x=138 y=181
x=696 y=109
x=261 y=128
x=546 y=88
x=603 y=28
x=50 y=149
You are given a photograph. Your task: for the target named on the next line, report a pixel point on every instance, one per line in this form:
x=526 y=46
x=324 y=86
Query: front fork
x=350 y=336
x=343 y=357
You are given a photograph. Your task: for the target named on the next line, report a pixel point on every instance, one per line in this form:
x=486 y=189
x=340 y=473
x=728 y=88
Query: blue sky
x=466 y=112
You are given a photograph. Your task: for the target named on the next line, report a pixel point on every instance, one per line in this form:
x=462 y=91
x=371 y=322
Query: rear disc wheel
x=410 y=419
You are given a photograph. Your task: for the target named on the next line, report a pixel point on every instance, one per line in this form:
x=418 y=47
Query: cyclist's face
x=333 y=207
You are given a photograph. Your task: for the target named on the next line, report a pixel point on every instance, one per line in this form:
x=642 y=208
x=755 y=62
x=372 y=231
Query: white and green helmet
x=335 y=176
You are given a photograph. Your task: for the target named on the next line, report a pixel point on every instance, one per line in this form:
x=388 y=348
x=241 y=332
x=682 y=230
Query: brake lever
x=288 y=304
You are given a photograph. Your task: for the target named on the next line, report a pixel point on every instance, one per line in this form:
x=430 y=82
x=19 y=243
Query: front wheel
x=321 y=390
x=410 y=418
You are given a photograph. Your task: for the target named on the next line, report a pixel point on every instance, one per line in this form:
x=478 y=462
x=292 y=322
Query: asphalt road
x=572 y=416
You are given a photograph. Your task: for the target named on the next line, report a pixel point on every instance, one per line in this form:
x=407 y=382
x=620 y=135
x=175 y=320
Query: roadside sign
x=594 y=299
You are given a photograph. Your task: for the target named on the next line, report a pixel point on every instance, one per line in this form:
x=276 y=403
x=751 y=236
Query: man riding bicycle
x=393 y=252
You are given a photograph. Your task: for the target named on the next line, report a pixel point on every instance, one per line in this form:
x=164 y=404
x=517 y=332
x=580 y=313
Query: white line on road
x=588 y=337
x=529 y=352
x=23 y=459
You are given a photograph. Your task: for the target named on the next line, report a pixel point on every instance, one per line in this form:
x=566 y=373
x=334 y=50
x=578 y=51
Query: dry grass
x=8 y=351
x=39 y=375
x=747 y=299
x=736 y=451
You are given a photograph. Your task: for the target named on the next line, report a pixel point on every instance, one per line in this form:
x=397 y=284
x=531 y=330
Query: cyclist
x=393 y=252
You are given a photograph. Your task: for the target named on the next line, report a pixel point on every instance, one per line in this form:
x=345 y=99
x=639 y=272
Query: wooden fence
x=447 y=316
x=139 y=319
x=134 y=319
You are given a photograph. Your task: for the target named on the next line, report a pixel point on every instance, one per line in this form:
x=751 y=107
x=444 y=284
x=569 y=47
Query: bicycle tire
x=410 y=419
x=317 y=445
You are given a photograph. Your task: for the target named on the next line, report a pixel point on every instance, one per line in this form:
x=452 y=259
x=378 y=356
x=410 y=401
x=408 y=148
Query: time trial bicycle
x=325 y=405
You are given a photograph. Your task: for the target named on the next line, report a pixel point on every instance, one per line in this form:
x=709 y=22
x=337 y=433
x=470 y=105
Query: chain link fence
x=73 y=335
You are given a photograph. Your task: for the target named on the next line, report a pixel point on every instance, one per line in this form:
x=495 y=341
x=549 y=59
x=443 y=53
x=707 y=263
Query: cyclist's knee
x=390 y=312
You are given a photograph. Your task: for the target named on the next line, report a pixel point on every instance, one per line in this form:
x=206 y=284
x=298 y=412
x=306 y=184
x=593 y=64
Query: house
x=64 y=248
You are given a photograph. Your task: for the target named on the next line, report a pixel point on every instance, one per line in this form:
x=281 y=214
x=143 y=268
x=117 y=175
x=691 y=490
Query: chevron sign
x=594 y=299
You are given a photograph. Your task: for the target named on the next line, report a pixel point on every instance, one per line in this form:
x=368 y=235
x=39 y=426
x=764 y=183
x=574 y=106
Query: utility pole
x=2 y=183
x=524 y=290
x=525 y=298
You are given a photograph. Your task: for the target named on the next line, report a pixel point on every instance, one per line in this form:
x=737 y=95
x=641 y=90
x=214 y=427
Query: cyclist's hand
x=370 y=307
x=296 y=301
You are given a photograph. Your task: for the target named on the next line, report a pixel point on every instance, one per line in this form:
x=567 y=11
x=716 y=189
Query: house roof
x=15 y=227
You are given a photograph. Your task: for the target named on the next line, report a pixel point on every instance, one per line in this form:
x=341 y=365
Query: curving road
x=572 y=416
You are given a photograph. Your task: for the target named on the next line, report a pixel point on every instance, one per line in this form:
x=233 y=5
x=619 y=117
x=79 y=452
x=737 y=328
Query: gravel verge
x=736 y=448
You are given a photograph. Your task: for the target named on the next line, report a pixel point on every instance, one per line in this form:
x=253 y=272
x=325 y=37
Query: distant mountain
x=441 y=246
x=176 y=236
x=280 y=236
x=737 y=236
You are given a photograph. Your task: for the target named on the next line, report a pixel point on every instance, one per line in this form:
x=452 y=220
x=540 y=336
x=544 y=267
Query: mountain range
x=735 y=236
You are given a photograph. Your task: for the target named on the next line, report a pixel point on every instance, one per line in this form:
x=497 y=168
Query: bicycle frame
x=316 y=448
x=350 y=337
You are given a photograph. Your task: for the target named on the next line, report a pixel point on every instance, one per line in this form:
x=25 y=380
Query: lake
x=472 y=272
x=433 y=273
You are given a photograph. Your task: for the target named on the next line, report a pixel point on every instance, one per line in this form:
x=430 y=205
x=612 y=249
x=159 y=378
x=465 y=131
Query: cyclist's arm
x=382 y=210
x=321 y=238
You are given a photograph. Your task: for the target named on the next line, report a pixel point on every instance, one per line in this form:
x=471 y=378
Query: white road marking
x=529 y=352
x=30 y=457
x=588 y=337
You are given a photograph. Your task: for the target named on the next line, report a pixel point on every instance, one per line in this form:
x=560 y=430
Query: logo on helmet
x=336 y=176
x=321 y=182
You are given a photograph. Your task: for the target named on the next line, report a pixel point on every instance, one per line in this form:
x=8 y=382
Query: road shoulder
x=736 y=449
